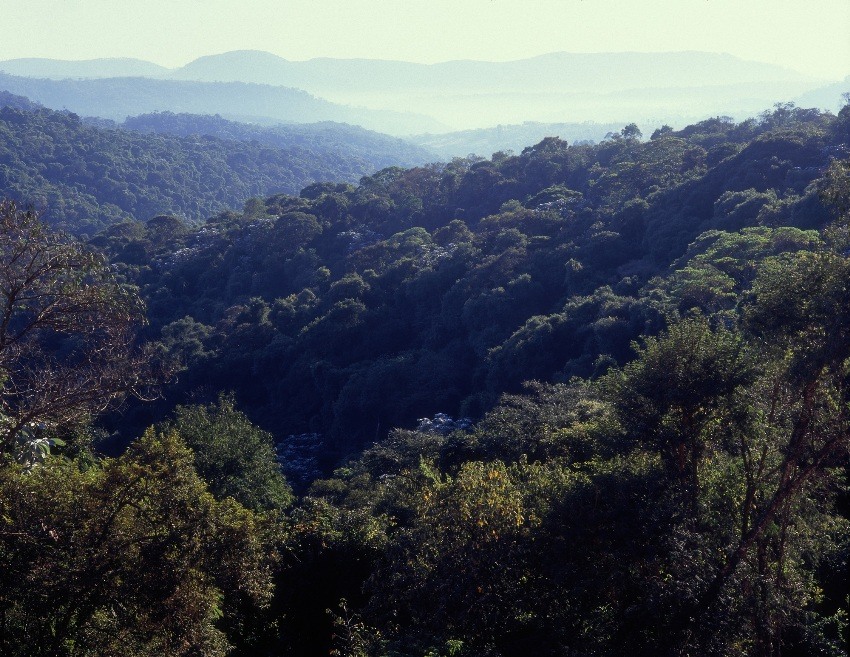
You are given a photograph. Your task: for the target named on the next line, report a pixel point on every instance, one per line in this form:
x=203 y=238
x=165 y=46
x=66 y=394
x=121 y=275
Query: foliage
x=673 y=483
x=234 y=457
x=372 y=150
x=436 y=289
x=131 y=555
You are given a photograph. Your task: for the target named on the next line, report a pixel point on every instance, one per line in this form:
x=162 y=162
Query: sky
x=811 y=36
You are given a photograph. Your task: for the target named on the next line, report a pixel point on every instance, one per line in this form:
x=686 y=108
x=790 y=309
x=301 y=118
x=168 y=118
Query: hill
x=830 y=97
x=379 y=150
x=674 y=87
x=587 y=72
x=408 y=98
x=85 y=177
x=18 y=102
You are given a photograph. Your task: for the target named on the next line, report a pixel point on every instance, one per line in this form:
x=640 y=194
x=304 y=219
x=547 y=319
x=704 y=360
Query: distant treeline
x=377 y=149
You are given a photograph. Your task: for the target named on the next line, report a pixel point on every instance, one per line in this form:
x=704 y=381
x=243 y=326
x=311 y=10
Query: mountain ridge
x=118 y=98
x=87 y=68
x=618 y=62
x=405 y=98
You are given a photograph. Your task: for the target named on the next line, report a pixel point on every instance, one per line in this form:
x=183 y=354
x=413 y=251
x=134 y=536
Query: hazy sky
x=812 y=36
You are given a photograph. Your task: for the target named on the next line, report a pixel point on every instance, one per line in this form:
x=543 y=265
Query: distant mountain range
x=556 y=72
x=407 y=98
x=120 y=97
x=593 y=72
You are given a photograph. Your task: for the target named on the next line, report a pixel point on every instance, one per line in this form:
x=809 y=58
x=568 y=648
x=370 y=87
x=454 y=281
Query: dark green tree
x=236 y=458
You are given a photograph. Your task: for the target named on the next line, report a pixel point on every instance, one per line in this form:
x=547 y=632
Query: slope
x=348 y=311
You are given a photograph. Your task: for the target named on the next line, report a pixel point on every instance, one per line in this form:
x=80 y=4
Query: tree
x=236 y=458
x=780 y=426
x=465 y=566
x=679 y=390
x=631 y=132
x=67 y=331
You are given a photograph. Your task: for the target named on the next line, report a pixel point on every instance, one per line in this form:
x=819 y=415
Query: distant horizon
x=810 y=39
x=408 y=61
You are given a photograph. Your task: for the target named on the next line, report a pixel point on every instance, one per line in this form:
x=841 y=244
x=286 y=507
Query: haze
x=808 y=37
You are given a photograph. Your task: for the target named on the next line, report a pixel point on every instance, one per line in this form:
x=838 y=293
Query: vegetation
x=377 y=150
x=67 y=335
x=651 y=339
x=347 y=311
x=87 y=177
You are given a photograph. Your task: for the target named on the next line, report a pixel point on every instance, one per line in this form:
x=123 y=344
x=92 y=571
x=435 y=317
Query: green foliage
x=360 y=149
x=439 y=288
x=800 y=302
x=67 y=333
x=688 y=502
x=234 y=457
x=687 y=495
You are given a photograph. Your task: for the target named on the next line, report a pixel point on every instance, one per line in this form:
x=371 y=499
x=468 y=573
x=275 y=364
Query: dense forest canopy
x=578 y=400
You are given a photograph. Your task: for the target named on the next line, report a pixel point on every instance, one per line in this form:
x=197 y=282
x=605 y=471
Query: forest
x=87 y=174
x=580 y=400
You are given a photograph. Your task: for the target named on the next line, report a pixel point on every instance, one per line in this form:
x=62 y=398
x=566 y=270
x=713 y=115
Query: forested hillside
x=87 y=177
x=348 y=311
x=584 y=400
x=377 y=149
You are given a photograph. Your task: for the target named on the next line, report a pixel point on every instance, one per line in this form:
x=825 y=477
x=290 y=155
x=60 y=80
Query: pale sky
x=811 y=36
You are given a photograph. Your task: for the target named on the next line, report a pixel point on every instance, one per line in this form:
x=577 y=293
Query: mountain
x=408 y=98
x=58 y=69
x=675 y=87
x=594 y=72
x=118 y=98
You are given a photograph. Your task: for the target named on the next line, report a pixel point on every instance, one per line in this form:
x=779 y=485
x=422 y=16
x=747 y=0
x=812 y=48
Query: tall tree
x=67 y=331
